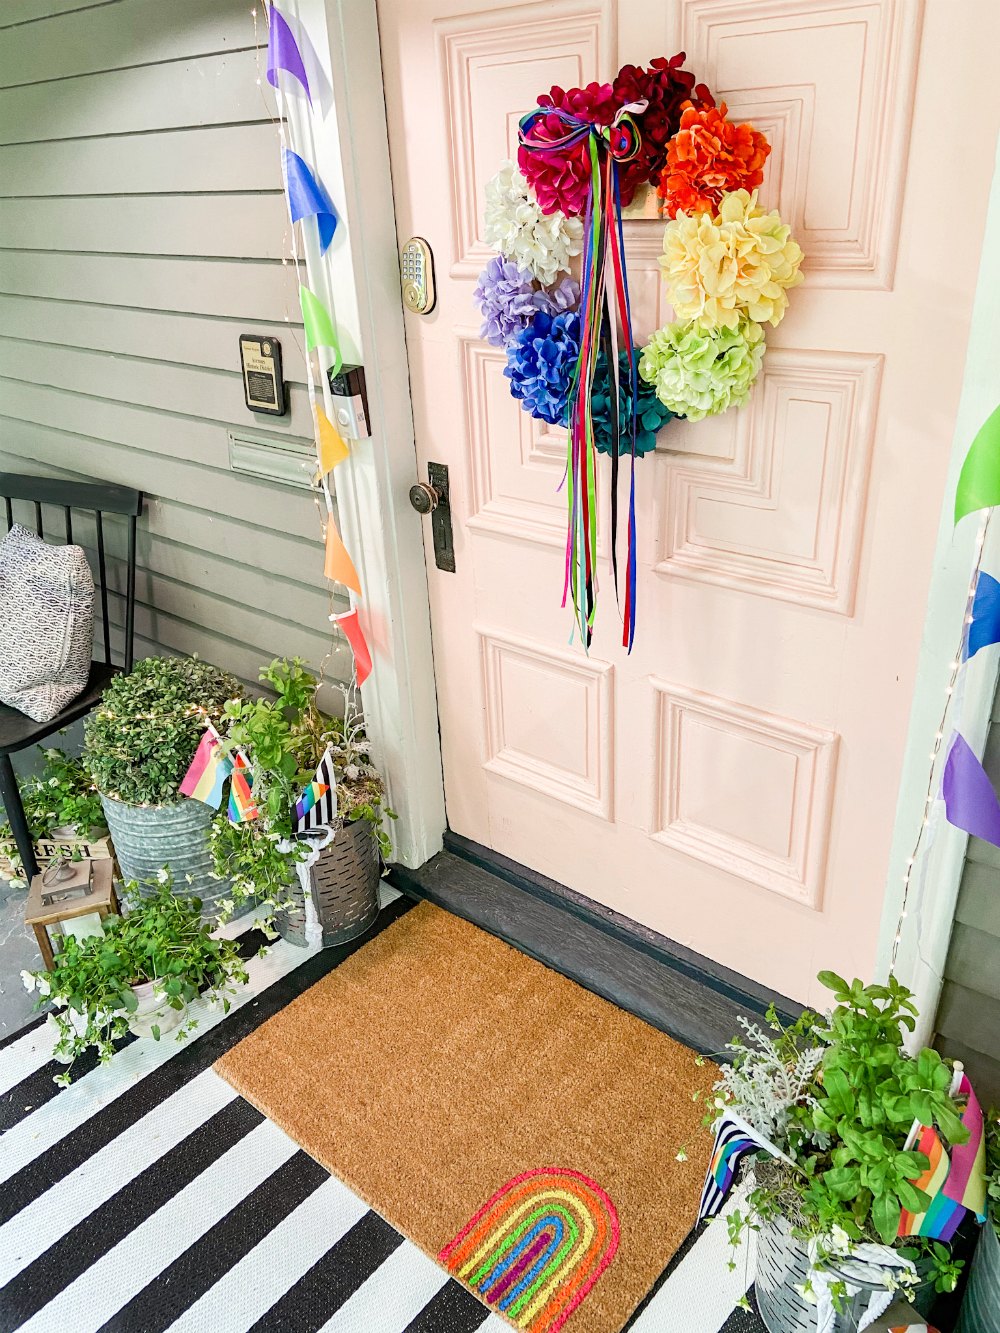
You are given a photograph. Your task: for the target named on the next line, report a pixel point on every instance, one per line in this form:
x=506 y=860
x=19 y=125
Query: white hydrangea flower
x=517 y=227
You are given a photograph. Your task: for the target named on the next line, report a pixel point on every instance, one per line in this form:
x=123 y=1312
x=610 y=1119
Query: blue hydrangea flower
x=651 y=414
x=540 y=362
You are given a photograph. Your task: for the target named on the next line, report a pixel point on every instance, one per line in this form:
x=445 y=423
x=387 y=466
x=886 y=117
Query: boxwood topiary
x=141 y=738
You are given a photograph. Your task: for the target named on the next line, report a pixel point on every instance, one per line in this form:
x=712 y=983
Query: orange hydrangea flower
x=709 y=157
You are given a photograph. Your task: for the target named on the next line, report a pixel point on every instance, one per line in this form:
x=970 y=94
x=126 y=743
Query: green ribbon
x=320 y=331
x=979 y=480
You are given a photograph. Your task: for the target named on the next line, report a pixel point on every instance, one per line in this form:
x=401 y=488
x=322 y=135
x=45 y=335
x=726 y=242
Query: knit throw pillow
x=46 y=624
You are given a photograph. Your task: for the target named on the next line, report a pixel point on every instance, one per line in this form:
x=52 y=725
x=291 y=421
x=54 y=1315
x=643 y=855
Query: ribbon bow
x=607 y=145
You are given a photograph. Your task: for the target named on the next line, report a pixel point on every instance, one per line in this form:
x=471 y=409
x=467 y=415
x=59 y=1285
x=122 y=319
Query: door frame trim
x=358 y=278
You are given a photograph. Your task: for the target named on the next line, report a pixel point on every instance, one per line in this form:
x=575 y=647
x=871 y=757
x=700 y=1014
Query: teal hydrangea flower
x=651 y=414
x=699 y=372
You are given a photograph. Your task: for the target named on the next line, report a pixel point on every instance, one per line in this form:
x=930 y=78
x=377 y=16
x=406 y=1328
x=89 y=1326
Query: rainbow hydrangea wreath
x=727 y=263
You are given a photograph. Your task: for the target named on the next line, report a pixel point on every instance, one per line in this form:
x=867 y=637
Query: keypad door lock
x=417 y=271
x=433 y=497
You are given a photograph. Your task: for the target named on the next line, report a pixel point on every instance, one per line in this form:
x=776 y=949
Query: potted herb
x=834 y=1099
x=138 y=744
x=138 y=976
x=290 y=745
x=64 y=814
x=981 y=1305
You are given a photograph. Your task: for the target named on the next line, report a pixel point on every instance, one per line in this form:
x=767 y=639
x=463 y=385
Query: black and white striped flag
x=317 y=806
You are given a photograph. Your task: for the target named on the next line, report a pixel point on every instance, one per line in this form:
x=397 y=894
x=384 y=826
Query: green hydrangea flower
x=698 y=372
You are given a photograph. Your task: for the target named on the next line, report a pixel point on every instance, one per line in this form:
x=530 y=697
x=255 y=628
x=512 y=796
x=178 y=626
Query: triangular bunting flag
x=969 y=799
x=985 y=626
x=307 y=198
x=284 y=56
x=979 y=481
x=319 y=326
x=330 y=444
x=351 y=626
x=339 y=567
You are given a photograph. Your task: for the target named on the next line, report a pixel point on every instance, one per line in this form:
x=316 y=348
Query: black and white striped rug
x=148 y=1196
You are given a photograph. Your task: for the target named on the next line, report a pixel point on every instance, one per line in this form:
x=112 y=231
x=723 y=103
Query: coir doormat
x=544 y=1146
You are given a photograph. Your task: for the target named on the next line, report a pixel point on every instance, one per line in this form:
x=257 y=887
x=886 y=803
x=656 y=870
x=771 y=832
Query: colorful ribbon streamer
x=979 y=481
x=970 y=802
x=607 y=145
x=351 y=625
x=319 y=328
x=307 y=198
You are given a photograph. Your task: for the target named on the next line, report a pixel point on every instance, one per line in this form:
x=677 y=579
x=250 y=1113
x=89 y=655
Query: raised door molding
x=745 y=790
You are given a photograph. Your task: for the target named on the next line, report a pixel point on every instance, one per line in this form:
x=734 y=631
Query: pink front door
x=732 y=783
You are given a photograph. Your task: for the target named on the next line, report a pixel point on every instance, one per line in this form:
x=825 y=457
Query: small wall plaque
x=263 y=384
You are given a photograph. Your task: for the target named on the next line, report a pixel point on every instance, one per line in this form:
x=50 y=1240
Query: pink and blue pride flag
x=208 y=771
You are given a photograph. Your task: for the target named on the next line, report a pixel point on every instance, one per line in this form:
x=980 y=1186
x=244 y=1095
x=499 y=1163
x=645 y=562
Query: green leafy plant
x=283 y=738
x=838 y=1094
x=993 y=1167
x=139 y=741
x=61 y=795
x=162 y=939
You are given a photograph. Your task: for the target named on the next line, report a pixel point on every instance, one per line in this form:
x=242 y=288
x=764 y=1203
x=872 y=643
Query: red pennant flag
x=351 y=626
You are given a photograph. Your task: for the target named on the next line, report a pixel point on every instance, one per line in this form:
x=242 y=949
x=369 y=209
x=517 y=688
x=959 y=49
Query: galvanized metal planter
x=148 y=837
x=345 y=882
x=981 y=1306
x=290 y=923
x=782 y=1267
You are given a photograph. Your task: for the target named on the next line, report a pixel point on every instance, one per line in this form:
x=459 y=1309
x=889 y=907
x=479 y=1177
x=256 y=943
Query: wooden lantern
x=74 y=904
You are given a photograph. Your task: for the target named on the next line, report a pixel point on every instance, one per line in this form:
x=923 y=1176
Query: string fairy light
x=955 y=667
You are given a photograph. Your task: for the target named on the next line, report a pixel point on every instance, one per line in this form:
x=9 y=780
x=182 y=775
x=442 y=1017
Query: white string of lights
x=925 y=830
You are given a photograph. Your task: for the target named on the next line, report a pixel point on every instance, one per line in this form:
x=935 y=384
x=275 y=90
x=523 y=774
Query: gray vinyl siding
x=968 y=1022
x=142 y=229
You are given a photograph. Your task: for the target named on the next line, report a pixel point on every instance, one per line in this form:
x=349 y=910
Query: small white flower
x=28 y=979
x=53 y=782
x=682 y=1156
x=44 y=986
x=163 y=875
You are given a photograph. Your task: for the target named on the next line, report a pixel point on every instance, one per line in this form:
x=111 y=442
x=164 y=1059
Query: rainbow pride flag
x=956 y=1184
x=241 y=803
x=735 y=1138
x=208 y=771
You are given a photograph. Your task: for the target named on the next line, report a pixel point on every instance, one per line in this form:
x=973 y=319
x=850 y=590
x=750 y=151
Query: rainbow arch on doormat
x=537 y=1247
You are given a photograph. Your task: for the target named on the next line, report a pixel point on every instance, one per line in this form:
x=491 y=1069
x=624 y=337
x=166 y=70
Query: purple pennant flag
x=985 y=626
x=970 y=802
x=283 y=53
x=307 y=198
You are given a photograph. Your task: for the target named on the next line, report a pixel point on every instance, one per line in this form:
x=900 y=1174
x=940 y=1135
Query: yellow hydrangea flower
x=738 y=263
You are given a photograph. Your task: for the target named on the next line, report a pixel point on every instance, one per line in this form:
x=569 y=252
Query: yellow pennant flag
x=329 y=442
x=339 y=566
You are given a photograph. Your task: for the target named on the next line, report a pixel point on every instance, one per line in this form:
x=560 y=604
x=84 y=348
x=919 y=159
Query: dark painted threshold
x=675 y=989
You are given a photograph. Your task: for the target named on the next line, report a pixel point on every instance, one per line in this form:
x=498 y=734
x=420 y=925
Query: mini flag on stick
x=241 y=803
x=734 y=1140
x=307 y=198
x=985 y=626
x=330 y=444
x=322 y=811
x=970 y=802
x=338 y=566
x=979 y=481
x=956 y=1185
x=351 y=626
x=966 y=1182
x=208 y=770
x=319 y=326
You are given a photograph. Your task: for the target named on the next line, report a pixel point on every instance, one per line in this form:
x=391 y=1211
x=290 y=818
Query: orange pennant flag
x=329 y=442
x=351 y=626
x=339 y=566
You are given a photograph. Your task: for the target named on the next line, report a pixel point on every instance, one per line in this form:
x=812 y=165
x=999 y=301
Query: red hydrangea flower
x=665 y=86
x=561 y=180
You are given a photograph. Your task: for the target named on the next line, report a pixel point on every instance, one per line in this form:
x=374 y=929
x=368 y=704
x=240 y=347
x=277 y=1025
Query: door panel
x=732 y=783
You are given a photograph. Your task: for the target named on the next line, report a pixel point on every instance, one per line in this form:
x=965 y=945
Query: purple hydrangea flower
x=540 y=362
x=556 y=300
x=505 y=294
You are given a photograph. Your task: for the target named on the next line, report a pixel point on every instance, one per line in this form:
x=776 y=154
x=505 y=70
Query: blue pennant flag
x=985 y=626
x=307 y=198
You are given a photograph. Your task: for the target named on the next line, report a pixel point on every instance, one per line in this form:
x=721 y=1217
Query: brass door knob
x=424 y=497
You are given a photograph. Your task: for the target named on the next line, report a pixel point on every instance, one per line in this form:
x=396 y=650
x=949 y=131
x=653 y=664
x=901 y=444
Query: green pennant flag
x=979 y=480
x=319 y=326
